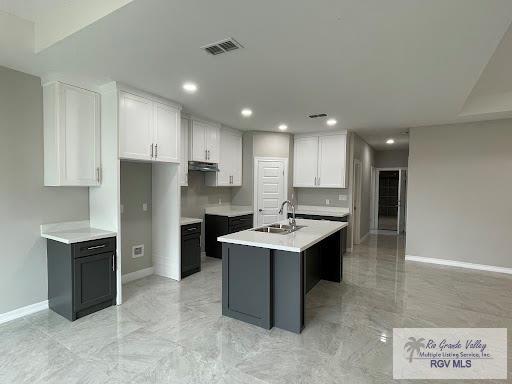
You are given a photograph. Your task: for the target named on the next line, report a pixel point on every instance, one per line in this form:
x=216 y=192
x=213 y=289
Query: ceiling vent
x=318 y=115
x=222 y=46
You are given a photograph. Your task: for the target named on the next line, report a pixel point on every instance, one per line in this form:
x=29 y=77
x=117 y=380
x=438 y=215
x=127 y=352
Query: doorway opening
x=390 y=200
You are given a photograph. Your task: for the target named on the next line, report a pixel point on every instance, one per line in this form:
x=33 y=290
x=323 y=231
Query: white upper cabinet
x=204 y=142
x=148 y=130
x=230 y=163
x=72 y=141
x=320 y=161
x=184 y=152
x=305 y=161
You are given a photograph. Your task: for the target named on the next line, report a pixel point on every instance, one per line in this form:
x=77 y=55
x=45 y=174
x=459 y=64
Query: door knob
x=260 y=210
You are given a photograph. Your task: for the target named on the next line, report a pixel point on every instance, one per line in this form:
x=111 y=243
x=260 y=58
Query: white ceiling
x=377 y=66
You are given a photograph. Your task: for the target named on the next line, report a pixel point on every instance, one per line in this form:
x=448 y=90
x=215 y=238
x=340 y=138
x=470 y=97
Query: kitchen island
x=266 y=276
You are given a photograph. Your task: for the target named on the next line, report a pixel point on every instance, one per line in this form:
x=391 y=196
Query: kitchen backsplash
x=318 y=196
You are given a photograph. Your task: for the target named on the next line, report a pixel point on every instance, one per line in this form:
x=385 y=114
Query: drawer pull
x=96 y=247
x=191 y=229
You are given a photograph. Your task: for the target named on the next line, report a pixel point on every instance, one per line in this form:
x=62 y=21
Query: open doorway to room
x=390 y=205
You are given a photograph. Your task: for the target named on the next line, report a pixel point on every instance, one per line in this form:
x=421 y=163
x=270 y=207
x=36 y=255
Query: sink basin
x=281 y=229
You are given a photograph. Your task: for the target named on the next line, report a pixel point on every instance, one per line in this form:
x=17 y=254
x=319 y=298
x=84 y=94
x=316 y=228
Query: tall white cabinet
x=230 y=161
x=72 y=142
x=148 y=130
x=204 y=141
x=320 y=161
x=184 y=152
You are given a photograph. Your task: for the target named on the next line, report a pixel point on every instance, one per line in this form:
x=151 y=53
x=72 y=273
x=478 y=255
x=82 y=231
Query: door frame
x=255 y=184
x=376 y=198
x=356 y=213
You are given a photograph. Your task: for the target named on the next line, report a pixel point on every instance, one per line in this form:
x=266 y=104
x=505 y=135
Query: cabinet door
x=198 y=141
x=225 y=158
x=190 y=254
x=213 y=143
x=236 y=162
x=184 y=152
x=166 y=133
x=135 y=127
x=331 y=161
x=305 y=161
x=94 y=280
x=79 y=136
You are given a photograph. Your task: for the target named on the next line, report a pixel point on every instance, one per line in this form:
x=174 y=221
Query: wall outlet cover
x=342 y=197
x=327 y=201
x=137 y=251
x=145 y=207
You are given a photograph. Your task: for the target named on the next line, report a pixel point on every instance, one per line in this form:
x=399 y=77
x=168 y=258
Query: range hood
x=203 y=167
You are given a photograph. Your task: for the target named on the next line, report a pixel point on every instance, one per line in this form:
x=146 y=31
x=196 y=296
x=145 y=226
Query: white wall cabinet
x=72 y=141
x=184 y=152
x=320 y=161
x=148 y=130
x=204 y=142
x=230 y=161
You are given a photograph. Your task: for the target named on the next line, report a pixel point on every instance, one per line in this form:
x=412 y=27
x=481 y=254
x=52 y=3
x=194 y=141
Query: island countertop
x=313 y=232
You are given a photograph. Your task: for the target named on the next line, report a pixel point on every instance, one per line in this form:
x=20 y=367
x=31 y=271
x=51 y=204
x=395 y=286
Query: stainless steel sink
x=280 y=229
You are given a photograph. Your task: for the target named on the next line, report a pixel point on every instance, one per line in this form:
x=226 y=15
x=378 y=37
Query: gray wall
x=136 y=224
x=317 y=196
x=362 y=151
x=197 y=196
x=392 y=158
x=25 y=203
x=460 y=189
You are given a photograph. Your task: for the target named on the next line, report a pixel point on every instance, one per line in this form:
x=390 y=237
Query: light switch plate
x=342 y=197
x=145 y=207
x=327 y=201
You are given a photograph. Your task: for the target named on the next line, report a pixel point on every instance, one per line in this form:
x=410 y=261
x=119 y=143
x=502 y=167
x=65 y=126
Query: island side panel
x=288 y=306
x=247 y=284
x=331 y=257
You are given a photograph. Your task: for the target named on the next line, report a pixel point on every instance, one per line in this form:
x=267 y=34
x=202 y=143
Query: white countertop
x=322 y=210
x=189 y=220
x=73 y=232
x=229 y=210
x=298 y=241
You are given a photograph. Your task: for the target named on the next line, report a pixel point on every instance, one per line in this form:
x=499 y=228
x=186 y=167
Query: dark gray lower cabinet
x=215 y=226
x=81 y=277
x=190 y=249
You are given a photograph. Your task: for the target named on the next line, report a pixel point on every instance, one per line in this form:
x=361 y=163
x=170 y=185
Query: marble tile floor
x=169 y=332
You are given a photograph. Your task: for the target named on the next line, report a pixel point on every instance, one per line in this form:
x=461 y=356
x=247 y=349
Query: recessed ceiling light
x=246 y=112
x=283 y=127
x=331 y=122
x=390 y=141
x=189 y=87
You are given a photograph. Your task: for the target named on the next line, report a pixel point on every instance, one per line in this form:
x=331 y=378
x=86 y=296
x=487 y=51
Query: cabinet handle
x=206 y=154
x=315 y=180
x=156 y=151
x=114 y=262
x=96 y=247
x=318 y=181
x=192 y=229
x=151 y=150
x=98 y=175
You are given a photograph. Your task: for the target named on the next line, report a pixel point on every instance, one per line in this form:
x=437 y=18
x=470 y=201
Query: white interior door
x=270 y=190
x=166 y=133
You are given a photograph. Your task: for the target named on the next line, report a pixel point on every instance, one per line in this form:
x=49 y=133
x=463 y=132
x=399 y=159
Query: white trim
x=255 y=185
x=23 y=311
x=356 y=213
x=459 y=264
x=137 y=275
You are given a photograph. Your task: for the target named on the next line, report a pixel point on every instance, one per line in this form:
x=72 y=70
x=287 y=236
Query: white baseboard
x=23 y=311
x=137 y=275
x=460 y=264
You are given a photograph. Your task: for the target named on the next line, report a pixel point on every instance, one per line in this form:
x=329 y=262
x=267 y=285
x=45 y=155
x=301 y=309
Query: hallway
x=174 y=332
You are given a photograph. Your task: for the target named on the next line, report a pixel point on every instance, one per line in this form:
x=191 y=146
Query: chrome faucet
x=291 y=220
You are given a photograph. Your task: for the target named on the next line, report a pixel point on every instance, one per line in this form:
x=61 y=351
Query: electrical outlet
x=137 y=251
x=220 y=201
x=145 y=207
x=342 y=197
x=327 y=201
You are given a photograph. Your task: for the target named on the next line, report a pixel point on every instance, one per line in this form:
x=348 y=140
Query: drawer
x=94 y=247
x=191 y=229
x=241 y=221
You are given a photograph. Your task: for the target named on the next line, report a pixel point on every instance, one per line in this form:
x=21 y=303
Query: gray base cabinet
x=81 y=277
x=190 y=249
x=215 y=226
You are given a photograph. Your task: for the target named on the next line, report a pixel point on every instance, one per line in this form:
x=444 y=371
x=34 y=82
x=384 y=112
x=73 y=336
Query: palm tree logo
x=414 y=345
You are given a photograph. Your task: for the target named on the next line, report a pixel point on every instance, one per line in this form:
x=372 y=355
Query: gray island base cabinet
x=81 y=276
x=267 y=287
